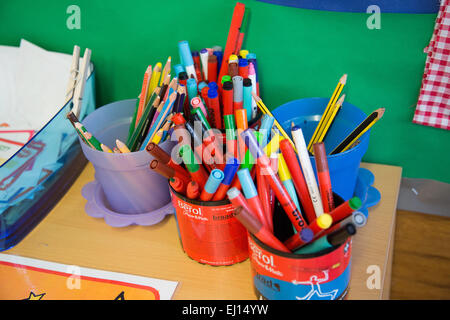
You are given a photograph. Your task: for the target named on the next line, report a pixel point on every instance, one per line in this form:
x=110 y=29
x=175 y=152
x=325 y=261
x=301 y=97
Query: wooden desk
x=68 y=235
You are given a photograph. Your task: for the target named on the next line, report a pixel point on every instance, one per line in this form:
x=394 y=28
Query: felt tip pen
x=196 y=102
x=167 y=171
x=178 y=68
x=227 y=98
x=193 y=190
x=286 y=178
x=258 y=230
x=215 y=178
x=238 y=92
x=233 y=68
x=186 y=58
x=274 y=181
x=344 y=210
x=243 y=68
x=196 y=58
x=229 y=172
x=251 y=194
x=204 y=54
x=214 y=108
x=230 y=134
x=178 y=185
x=219 y=56
x=247 y=97
x=317 y=226
x=334 y=239
x=323 y=175
x=198 y=174
x=252 y=77
x=240 y=116
x=357 y=218
x=225 y=78
x=237 y=200
x=267 y=122
x=305 y=161
x=212 y=68
x=265 y=197
x=192 y=91
x=157 y=152
x=293 y=165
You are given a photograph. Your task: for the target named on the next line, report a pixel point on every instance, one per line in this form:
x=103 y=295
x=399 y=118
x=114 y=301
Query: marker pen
x=264 y=195
x=357 y=218
x=196 y=58
x=275 y=183
x=241 y=125
x=198 y=174
x=227 y=98
x=178 y=68
x=258 y=230
x=252 y=77
x=247 y=97
x=212 y=68
x=219 y=56
x=237 y=200
x=238 y=92
x=225 y=78
x=186 y=130
x=178 y=185
x=310 y=178
x=346 y=209
x=230 y=170
x=243 y=68
x=286 y=178
x=243 y=53
x=193 y=190
x=182 y=80
x=293 y=165
x=215 y=178
x=230 y=134
x=250 y=193
x=251 y=57
x=233 y=68
x=186 y=58
x=317 y=227
x=334 y=239
x=214 y=108
x=191 y=86
x=165 y=158
x=167 y=171
x=196 y=102
x=266 y=128
x=204 y=60
x=323 y=175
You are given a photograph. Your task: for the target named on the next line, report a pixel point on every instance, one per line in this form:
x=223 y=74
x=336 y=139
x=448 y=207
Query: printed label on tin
x=324 y=277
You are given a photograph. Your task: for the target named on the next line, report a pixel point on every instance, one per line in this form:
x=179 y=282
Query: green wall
x=301 y=53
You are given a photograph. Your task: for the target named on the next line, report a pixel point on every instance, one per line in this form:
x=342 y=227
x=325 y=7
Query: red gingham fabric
x=433 y=106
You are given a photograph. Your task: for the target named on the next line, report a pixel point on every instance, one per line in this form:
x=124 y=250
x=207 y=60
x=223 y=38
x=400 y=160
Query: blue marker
x=230 y=170
x=219 y=55
x=248 y=97
x=213 y=85
x=215 y=178
x=191 y=86
x=178 y=68
x=186 y=58
x=266 y=128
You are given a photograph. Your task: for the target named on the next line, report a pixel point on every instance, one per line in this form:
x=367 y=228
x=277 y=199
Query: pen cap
x=178 y=68
x=157 y=152
x=238 y=94
x=189 y=158
x=340 y=236
x=215 y=178
x=202 y=85
x=230 y=170
x=213 y=85
x=250 y=56
x=192 y=88
x=252 y=224
x=182 y=76
x=243 y=53
x=248 y=187
x=178 y=119
x=226 y=78
x=162 y=169
x=243 y=62
x=185 y=53
x=212 y=93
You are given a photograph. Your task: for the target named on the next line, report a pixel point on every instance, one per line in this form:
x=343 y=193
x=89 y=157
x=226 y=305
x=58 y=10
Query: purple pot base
x=97 y=207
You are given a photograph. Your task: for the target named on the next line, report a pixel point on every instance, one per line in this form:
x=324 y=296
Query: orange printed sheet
x=30 y=279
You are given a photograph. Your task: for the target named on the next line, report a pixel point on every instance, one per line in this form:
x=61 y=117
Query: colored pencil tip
x=343 y=79
x=341 y=100
x=380 y=112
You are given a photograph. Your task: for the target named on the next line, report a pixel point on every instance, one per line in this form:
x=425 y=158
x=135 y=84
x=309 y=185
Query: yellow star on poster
x=33 y=296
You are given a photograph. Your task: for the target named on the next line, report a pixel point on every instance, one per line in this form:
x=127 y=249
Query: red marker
x=196 y=58
x=323 y=175
x=167 y=171
x=297 y=177
x=346 y=209
x=192 y=190
x=214 y=108
x=164 y=157
x=264 y=194
x=178 y=185
x=227 y=98
x=258 y=230
x=212 y=68
x=243 y=68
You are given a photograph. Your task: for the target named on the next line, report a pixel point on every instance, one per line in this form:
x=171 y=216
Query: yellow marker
x=122 y=147
x=243 y=53
x=283 y=170
x=273 y=145
x=324 y=221
x=233 y=58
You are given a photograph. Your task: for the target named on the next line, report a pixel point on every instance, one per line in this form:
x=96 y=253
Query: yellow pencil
x=166 y=70
x=331 y=103
x=105 y=148
x=154 y=80
x=331 y=117
x=122 y=146
x=157 y=138
x=265 y=110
